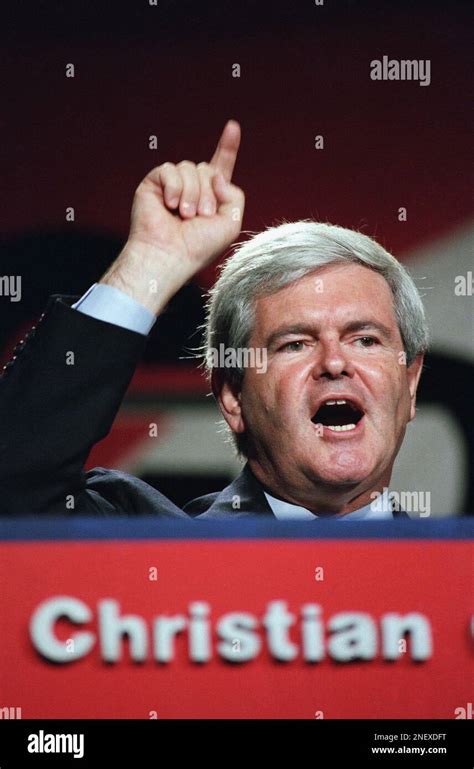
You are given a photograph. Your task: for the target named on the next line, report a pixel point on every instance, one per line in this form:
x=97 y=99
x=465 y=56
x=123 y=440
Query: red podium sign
x=264 y=628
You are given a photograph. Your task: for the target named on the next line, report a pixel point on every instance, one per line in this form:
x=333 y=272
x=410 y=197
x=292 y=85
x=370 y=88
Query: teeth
x=334 y=403
x=340 y=428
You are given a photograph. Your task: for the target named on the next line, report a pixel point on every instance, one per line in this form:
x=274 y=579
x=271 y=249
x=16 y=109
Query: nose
x=332 y=361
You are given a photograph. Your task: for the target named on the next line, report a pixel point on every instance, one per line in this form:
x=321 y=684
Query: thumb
x=222 y=189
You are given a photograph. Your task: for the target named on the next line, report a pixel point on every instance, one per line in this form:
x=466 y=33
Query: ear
x=413 y=375
x=228 y=397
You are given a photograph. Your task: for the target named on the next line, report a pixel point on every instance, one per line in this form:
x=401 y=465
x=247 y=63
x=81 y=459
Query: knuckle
x=191 y=184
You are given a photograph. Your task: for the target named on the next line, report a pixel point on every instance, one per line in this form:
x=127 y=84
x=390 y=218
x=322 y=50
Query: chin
x=346 y=470
x=340 y=479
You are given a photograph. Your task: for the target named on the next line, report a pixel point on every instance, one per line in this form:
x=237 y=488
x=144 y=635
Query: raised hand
x=183 y=216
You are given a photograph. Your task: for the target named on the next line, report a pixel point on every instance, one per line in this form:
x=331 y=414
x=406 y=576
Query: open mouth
x=338 y=415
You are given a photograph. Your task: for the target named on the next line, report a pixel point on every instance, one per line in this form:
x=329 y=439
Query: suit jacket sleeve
x=58 y=397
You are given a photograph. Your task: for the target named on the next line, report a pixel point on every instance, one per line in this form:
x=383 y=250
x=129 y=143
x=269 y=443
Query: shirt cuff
x=111 y=305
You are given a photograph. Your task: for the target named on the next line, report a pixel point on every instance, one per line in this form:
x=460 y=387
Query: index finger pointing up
x=225 y=155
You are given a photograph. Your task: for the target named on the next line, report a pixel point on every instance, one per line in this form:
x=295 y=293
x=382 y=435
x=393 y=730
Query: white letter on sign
x=42 y=629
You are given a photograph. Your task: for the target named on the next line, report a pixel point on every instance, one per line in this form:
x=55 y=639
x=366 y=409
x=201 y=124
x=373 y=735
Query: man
x=339 y=320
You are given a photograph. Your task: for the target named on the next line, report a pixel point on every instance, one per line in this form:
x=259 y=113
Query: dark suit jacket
x=52 y=414
x=242 y=498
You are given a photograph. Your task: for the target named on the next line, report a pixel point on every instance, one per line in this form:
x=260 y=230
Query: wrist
x=145 y=273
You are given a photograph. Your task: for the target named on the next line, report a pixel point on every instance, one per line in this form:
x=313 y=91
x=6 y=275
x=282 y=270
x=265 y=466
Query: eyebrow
x=305 y=328
x=365 y=325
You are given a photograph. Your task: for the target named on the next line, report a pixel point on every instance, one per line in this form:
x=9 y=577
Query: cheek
x=385 y=380
x=274 y=395
x=399 y=390
x=287 y=387
x=389 y=388
x=257 y=395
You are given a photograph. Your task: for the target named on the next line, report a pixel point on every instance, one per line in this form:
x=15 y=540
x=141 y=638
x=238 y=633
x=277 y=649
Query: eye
x=295 y=346
x=367 y=341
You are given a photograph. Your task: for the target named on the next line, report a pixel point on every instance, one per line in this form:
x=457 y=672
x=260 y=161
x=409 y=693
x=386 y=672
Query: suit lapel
x=244 y=497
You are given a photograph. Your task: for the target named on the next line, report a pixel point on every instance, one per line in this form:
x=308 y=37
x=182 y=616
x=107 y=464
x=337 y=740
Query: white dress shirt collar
x=289 y=512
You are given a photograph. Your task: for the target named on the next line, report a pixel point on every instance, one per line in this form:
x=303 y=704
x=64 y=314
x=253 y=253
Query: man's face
x=331 y=336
